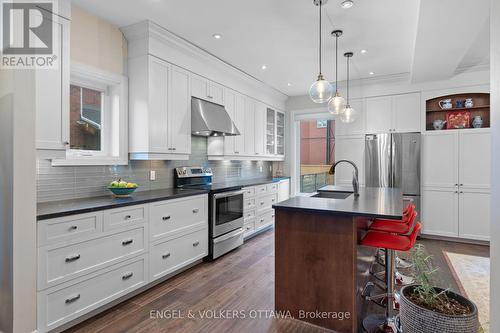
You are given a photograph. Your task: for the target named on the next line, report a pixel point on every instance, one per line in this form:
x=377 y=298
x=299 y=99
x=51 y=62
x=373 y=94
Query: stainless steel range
x=225 y=208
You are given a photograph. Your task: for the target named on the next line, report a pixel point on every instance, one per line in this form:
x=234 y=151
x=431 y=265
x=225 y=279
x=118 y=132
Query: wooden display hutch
x=481 y=108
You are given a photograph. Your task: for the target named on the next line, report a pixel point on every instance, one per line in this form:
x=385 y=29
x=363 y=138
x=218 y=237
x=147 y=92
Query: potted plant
x=425 y=308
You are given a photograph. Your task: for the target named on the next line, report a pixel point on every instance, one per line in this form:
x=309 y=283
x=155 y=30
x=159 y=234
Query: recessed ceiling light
x=347 y=4
x=289 y=84
x=217 y=36
x=371 y=73
x=363 y=51
x=263 y=67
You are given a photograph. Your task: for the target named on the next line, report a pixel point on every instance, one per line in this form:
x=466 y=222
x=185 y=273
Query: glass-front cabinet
x=275 y=132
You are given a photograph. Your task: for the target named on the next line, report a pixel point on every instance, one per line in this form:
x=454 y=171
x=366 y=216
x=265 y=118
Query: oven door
x=227 y=212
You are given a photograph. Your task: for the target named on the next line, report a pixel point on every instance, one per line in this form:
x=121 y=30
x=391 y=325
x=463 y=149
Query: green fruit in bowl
x=113 y=184
x=122 y=184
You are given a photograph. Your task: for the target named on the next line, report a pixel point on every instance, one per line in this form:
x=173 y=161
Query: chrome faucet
x=355 y=181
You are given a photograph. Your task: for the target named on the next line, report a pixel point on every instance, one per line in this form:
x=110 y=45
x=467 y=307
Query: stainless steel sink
x=333 y=195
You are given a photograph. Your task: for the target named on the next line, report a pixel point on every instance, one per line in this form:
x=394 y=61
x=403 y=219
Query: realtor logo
x=27 y=35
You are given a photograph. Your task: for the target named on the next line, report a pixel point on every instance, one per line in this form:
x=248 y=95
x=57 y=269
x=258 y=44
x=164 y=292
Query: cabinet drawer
x=266 y=202
x=167 y=257
x=249 y=214
x=59 y=264
x=249 y=228
x=264 y=220
x=272 y=188
x=261 y=189
x=249 y=192
x=180 y=216
x=123 y=217
x=249 y=204
x=61 y=304
x=68 y=228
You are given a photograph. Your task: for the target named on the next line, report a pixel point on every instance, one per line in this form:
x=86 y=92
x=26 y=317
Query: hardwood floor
x=241 y=281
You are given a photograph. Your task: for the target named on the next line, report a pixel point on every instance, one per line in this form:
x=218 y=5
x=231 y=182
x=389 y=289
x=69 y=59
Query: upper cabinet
x=52 y=96
x=160 y=110
x=397 y=113
x=208 y=90
x=260 y=122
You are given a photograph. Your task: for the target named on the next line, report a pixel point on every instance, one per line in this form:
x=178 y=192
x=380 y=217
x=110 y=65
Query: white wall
x=495 y=186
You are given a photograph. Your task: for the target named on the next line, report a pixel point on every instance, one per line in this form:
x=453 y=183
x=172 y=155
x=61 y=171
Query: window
x=98 y=118
x=317 y=153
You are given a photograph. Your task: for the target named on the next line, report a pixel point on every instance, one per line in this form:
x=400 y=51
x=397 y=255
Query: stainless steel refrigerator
x=393 y=160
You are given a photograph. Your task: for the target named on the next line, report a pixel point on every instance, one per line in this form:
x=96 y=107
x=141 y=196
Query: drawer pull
x=73 y=227
x=195 y=244
x=249 y=203
x=249 y=214
x=166 y=255
x=127 y=242
x=165 y=218
x=196 y=210
x=261 y=203
x=72 y=258
x=261 y=220
x=272 y=216
x=127 y=276
x=262 y=189
x=127 y=217
x=273 y=200
x=72 y=299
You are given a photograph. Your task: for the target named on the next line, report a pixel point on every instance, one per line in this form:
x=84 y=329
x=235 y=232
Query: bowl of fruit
x=121 y=188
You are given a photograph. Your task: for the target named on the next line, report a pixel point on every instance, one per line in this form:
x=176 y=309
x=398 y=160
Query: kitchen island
x=320 y=266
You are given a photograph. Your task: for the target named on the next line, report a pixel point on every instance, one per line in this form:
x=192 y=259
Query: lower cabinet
x=88 y=260
x=474 y=214
x=257 y=210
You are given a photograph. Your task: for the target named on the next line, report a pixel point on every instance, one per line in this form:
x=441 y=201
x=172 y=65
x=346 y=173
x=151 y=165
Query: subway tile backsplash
x=60 y=183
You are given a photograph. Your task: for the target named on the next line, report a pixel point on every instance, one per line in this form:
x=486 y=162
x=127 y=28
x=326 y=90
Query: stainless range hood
x=210 y=119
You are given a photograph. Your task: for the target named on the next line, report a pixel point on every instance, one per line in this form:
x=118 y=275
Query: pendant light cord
x=336 y=64
x=348 y=58
x=320 y=5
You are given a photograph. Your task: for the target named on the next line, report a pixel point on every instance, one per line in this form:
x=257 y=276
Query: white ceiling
x=283 y=34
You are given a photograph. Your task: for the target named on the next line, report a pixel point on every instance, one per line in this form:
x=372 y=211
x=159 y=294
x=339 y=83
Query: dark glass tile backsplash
x=59 y=183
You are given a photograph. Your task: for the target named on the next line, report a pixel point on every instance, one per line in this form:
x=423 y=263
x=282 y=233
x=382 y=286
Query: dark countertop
x=235 y=185
x=53 y=209
x=373 y=202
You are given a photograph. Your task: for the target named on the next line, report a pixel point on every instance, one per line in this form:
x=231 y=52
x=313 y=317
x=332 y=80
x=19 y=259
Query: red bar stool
x=391 y=243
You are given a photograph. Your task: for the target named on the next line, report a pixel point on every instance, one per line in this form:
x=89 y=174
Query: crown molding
x=484 y=66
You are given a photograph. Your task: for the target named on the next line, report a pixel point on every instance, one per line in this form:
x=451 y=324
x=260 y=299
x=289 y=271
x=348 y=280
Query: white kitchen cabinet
x=283 y=190
x=159 y=110
x=249 y=127
x=396 y=113
x=456 y=183
x=260 y=123
x=350 y=148
x=239 y=121
x=207 y=90
x=280 y=134
x=357 y=127
x=52 y=96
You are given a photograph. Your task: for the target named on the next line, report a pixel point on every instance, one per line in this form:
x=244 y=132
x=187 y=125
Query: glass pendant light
x=348 y=115
x=337 y=103
x=321 y=91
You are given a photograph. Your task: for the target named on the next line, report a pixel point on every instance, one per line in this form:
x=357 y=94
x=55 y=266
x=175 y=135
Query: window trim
x=114 y=130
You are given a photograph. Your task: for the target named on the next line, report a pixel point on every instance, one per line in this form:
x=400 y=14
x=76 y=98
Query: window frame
x=114 y=127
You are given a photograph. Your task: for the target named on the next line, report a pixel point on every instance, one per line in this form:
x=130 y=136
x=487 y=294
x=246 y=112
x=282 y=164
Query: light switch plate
x=152 y=175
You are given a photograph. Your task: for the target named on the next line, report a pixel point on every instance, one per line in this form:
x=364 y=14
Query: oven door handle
x=232 y=234
x=227 y=194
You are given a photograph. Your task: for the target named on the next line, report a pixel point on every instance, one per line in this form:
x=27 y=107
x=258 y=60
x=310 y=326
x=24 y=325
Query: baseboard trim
x=456 y=239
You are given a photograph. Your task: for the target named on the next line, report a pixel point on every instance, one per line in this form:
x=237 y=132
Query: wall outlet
x=152 y=175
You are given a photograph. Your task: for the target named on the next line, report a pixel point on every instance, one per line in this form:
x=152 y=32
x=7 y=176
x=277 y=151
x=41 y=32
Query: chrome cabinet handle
x=262 y=202
x=128 y=217
x=166 y=255
x=66 y=143
x=261 y=220
x=196 y=210
x=72 y=299
x=249 y=203
x=174 y=148
x=127 y=242
x=273 y=200
x=461 y=184
x=236 y=152
x=456 y=191
x=73 y=227
x=127 y=276
x=195 y=244
x=165 y=218
x=72 y=258
x=461 y=191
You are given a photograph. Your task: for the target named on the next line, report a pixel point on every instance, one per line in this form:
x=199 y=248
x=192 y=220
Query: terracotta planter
x=416 y=319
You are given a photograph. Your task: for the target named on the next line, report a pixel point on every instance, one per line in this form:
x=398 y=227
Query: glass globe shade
x=336 y=104
x=348 y=115
x=321 y=90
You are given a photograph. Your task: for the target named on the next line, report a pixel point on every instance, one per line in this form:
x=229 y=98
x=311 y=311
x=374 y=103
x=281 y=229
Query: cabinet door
x=475 y=159
x=52 y=94
x=357 y=127
x=179 y=112
x=159 y=73
x=474 y=218
x=249 y=126
x=239 y=140
x=407 y=111
x=260 y=123
x=440 y=159
x=352 y=149
x=216 y=93
x=230 y=105
x=280 y=133
x=199 y=87
x=440 y=212
x=379 y=114
x=270 y=132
